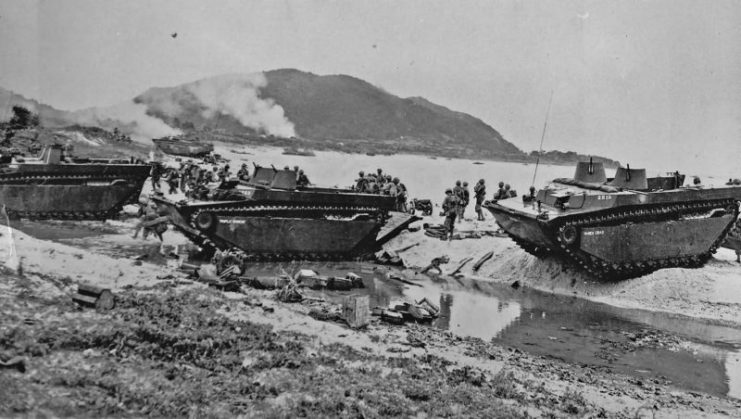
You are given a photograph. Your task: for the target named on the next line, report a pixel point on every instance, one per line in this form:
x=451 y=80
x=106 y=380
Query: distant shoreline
x=365 y=148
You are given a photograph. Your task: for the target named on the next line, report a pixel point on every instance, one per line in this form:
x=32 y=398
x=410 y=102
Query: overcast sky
x=652 y=83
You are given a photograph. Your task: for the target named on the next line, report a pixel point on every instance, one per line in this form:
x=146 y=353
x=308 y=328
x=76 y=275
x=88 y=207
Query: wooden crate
x=356 y=311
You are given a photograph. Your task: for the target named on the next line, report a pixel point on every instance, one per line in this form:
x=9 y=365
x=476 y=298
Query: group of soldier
x=302 y=180
x=457 y=199
x=383 y=184
x=189 y=177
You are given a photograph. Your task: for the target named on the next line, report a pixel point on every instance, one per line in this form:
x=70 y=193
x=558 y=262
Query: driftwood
x=460 y=266
x=405 y=248
x=481 y=261
x=400 y=279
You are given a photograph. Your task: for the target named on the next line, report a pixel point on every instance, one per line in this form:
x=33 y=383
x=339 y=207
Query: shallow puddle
x=687 y=353
x=690 y=354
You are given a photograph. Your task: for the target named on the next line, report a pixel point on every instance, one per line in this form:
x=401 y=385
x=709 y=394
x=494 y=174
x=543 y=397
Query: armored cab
x=270 y=218
x=624 y=226
x=56 y=186
x=182 y=146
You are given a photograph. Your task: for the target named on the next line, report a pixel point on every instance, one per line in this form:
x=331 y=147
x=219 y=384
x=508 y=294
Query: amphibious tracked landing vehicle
x=622 y=227
x=54 y=186
x=269 y=218
x=183 y=146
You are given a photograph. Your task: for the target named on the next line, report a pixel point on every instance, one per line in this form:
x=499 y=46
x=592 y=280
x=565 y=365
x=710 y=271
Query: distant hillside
x=337 y=111
x=345 y=108
x=292 y=108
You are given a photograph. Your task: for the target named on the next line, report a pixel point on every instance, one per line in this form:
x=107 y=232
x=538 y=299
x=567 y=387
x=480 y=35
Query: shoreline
x=693 y=293
x=382 y=361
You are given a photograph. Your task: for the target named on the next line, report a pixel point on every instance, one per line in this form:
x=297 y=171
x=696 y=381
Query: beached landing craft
x=54 y=186
x=181 y=146
x=269 y=218
x=622 y=227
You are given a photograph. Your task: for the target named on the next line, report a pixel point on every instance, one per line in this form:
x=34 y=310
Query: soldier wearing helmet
x=463 y=200
x=529 y=198
x=479 y=191
x=450 y=207
x=500 y=193
x=303 y=180
x=361 y=182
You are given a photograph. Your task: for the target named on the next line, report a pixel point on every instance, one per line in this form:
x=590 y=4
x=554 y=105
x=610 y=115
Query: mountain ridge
x=287 y=107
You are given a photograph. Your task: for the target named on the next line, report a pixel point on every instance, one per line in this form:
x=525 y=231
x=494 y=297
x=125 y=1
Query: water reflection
x=706 y=358
x=733 y=372
x=644 y=344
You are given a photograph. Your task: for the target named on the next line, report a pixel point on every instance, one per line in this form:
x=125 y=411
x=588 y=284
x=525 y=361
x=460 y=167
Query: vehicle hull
x=624 y=235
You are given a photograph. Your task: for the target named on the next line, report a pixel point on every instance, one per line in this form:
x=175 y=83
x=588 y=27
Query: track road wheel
x=206 y=221
x=568 y=235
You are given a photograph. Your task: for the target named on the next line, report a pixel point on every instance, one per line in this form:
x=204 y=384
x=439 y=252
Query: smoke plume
x=129 y=117
x=235 y=95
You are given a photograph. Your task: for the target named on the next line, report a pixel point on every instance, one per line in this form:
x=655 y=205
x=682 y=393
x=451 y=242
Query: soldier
x=303 y=180
x=172 y=181
x=458 y=193
x=479 y=192
x=244 y=173
x=184 y=172
x=360 y=182
x=388 y=185
x=401 y=195
x=392 y=189
x=464 y=202
x=500 y=194
x=149 y=215
x=508 y=193
x=529 y=198
x=156 y=174
x=450 y=205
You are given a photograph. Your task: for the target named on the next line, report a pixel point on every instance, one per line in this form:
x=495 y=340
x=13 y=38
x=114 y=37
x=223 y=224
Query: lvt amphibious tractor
x=180 y=146
x=622 y=227
x=269 y=218
x=55 y=186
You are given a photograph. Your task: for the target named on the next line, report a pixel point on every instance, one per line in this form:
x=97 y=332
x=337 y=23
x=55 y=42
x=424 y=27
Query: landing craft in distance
x=174 y=34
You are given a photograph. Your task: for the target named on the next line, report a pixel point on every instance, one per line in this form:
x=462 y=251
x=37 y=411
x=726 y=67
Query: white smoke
x=238 y=95
x=9 y=99
x=129 y=117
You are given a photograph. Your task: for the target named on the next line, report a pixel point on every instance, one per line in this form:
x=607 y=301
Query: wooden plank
x=461 y=265
x=481 y=261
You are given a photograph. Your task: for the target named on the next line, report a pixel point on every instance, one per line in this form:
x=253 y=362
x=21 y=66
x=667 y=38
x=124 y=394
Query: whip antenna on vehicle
x=542 y=137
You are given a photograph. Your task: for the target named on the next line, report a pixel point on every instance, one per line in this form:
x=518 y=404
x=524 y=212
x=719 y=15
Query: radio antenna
x=542 y=137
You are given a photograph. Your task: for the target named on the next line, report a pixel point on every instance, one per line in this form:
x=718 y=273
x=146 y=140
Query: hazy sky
x=651 y=83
